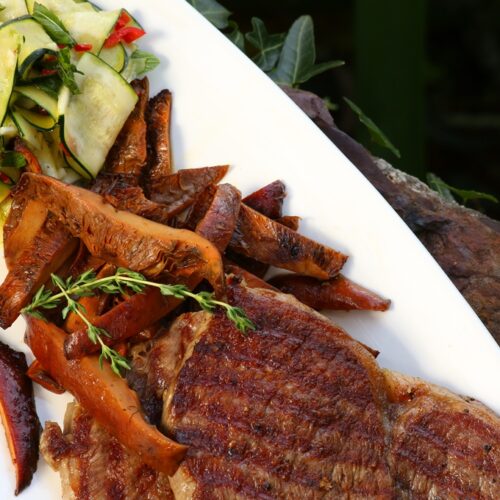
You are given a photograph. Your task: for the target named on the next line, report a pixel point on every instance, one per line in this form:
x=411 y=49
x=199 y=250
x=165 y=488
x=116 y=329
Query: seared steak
x=94 y=465
x=298 y=409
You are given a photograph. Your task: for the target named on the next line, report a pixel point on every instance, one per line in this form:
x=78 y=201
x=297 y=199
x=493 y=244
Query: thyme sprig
x=123 y=281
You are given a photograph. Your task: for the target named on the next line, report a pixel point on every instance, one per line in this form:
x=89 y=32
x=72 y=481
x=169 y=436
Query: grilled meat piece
x=219 y=221
x=339 y=293
x=95 y=465
x=298 y=409
x=441 y=445
x=18 y=412
x=129 y=152
x=294 y=410
x=268 y=200
x=159 y=148
x=124 y=239
x=265 y=240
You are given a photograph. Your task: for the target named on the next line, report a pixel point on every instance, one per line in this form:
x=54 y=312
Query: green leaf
x=376 y=134
x=12 y=159
x=268 y=46
x=298 y=53
x=66 y=70
x=321 y=68
x=140 y=63
x=298 y=56
x=236 y=36
x=2 y=7
x=213 y=11
x=448 y=191
x=52 y=25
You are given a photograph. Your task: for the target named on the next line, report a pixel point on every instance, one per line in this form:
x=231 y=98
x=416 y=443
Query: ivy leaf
x=213 y=11
x=268 y=46
x=12 y=159
x=140 y=63
x=236 y=36
x=376 y=134
x=66 y=70
x=298 y=56
x=447 y=191
x=52 y=25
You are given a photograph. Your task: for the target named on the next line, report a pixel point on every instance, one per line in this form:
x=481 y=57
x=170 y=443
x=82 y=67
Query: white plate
x=227 y=111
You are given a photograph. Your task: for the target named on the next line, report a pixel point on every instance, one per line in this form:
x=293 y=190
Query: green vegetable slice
x=115 y=56
x=35 y=42
x=8 y=56
x=39 y=97
x=12 y=9
x=93 y=118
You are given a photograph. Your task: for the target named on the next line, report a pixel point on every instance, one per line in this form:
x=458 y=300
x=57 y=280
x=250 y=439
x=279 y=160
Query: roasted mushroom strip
x=106 y=396
x=17 y=409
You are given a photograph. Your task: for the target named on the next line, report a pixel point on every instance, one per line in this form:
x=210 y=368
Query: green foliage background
x=428 y=74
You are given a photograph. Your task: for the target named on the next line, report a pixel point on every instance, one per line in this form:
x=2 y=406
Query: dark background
x=428 y=73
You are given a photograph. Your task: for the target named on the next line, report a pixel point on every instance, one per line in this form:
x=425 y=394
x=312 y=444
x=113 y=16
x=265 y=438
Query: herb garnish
x=52 y=25
x=12 y=159
x=121 y=282
x=66 y=70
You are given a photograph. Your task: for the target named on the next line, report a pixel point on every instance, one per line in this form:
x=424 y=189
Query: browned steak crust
x=94 y=465
x=296 y=409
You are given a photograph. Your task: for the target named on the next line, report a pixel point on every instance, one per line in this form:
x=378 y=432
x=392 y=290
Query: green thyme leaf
x=52 y=25
x=376 y=134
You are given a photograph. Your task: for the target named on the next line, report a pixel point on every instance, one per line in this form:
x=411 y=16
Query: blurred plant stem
x=390 y=60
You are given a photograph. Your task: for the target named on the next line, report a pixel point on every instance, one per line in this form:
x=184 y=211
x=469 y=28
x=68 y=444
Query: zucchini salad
x=65 y=92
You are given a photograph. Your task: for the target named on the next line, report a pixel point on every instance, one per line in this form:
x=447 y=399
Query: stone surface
x=464 y=242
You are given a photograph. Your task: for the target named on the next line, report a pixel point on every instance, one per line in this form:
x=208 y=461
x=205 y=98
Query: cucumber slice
x=41 y=122
x=90 y=27
x=94 y=117
x=115 y=56
x=38 y=96
x=60 y=6
x=4 y=192
x=35 y=42
x=8 y=55
x=37 y=143
x=12 y=9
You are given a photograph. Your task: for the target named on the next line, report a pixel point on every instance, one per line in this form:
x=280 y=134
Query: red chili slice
x=5 y=179
x=123 y=20
x=64 y=149
x=83 y=47
x=48 y=72
x=128 y=35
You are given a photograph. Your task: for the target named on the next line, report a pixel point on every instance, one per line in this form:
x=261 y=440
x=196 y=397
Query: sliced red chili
x=5 y=179
x=61 y=45
x=64 y=149
x=123 y=20
x=48 y=72
x=83 y=47
x=128 y=35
